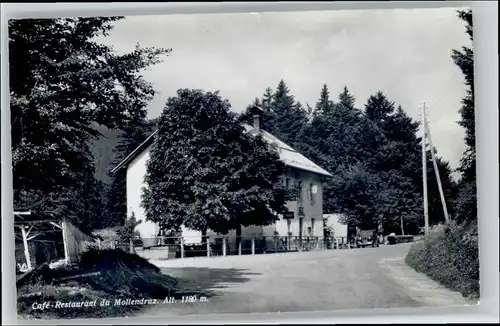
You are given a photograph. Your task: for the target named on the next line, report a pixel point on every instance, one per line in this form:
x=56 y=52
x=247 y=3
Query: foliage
x=340 y=140
x=204 y=172
x=86 y=203
x=63 y=83
x=267 y=116
x=131 y=136
x=451 y=257
x=325 y=104
x=282 y=116
x=127 y=232
x=289 y=115
x=464 y=59
x=374 y=155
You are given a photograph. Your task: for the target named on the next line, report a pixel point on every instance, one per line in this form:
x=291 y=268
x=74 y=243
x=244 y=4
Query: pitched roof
x=287 y=154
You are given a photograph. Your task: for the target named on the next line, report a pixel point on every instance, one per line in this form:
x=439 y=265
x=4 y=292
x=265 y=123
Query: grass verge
x=450 y=256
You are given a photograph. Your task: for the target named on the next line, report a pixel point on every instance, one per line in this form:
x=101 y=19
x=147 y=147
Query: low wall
x=157 y=253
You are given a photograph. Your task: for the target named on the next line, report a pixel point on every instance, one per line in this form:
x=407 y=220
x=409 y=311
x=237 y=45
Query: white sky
x=403 y=52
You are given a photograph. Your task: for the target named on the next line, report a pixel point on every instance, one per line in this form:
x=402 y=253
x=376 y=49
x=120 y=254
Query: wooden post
x=253 y=245
x=26 y=248
x=436 y=171
x=224 y=246
x=131 y=244
x=208 y=246
x=424 y=169
x=239 y=247
x=182 y=247
x=402 y=226
x=64 y=227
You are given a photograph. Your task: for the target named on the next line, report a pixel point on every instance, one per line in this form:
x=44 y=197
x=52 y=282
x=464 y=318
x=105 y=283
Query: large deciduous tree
x=206 y=173
x=62 y=82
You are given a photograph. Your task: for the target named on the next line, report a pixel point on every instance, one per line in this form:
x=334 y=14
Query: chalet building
x=303 y=179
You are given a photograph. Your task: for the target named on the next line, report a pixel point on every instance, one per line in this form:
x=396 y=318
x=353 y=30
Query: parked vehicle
x=367 y=238
x=391 y=239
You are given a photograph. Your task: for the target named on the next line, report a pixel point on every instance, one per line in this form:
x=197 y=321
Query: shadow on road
x=203 y=281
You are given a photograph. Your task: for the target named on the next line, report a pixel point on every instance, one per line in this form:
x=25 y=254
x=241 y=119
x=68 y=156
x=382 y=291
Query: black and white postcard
x=168 y=165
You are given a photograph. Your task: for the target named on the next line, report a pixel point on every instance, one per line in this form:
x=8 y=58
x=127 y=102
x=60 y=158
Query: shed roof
x=39 y=218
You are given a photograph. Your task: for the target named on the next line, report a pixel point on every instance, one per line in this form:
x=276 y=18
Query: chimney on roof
x=257 y=117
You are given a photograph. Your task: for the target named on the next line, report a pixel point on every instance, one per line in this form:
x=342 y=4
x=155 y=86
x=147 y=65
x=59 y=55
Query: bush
x=404 y=238
x=109 y=238
x=450 y=256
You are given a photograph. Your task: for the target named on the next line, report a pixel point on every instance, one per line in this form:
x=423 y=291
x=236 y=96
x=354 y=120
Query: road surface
x=306 y=281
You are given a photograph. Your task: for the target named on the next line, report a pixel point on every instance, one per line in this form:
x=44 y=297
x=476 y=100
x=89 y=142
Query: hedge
x=450 y=256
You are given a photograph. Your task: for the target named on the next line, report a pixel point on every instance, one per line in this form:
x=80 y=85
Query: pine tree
x=324 y=104
x=399 y=158
x=346 y=99
x=267 y=116
x=267 y=99
x=378 y=108
x=204 y=172
x=289 y=118
x=339 y=140
x=466 y=203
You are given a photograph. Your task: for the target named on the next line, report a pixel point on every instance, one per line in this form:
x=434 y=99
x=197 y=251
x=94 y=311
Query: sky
x=403 y=52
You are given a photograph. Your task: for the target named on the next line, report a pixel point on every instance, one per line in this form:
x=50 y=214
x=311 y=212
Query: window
x=287 y=183
x=311 y=194
x=312 y=226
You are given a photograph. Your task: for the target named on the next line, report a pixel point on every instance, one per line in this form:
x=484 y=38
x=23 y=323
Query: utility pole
x=436 y=170
x=424 y=168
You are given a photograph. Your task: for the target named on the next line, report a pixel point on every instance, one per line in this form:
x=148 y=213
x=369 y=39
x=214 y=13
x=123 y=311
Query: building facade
x=303 y=181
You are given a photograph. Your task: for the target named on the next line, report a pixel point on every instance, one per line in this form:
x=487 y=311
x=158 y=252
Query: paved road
x=307 y=281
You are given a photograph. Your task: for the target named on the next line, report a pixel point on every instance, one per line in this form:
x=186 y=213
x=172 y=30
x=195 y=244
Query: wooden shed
x=46 y=236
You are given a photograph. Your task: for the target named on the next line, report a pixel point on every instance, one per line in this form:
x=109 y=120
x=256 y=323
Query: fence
x=161 y=248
